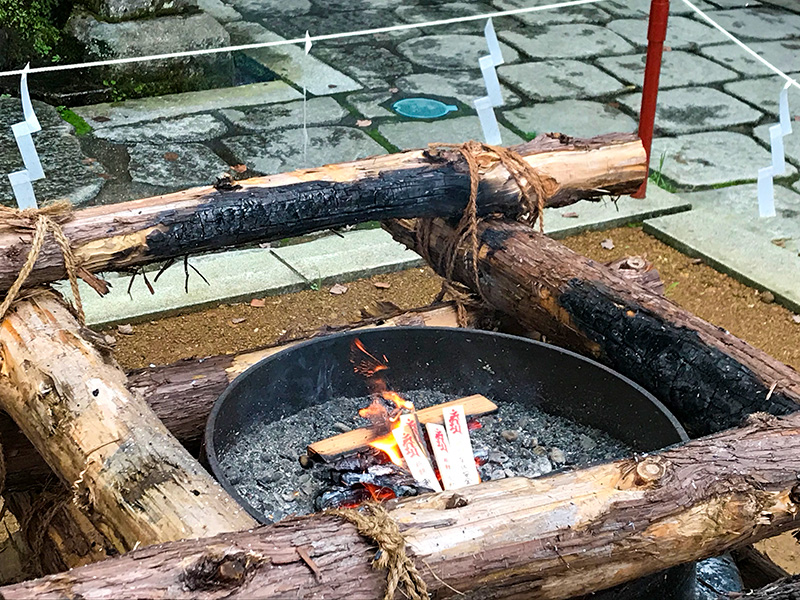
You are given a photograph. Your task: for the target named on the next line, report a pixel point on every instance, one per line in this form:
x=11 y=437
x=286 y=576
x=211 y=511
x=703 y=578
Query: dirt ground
x=695 y=286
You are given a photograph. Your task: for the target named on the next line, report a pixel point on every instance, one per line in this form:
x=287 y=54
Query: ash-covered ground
x=264 y=466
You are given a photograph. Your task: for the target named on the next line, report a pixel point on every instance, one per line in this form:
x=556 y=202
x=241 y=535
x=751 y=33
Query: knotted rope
x=42 y=220
x=372 y=521
x=532 y=201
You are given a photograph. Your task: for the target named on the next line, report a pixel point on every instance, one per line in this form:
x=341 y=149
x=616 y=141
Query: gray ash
x=517 y=440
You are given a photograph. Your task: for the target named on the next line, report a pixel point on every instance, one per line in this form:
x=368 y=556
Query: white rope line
x=302 y=40
x=741 y=44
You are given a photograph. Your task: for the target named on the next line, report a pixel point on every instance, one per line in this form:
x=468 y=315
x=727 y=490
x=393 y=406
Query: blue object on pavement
x=422 y=108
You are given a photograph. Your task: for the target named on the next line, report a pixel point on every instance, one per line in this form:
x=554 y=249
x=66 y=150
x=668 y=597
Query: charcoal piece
x=356 y=462
x=341 y=497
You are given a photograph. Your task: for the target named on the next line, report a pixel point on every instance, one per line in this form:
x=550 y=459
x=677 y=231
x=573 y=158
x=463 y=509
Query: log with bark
x=136 y=482
x=573 y=533
x=707 y=377
x=407 y=184
x=182 y=394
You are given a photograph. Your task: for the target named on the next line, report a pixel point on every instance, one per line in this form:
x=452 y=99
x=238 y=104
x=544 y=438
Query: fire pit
x=555 y=409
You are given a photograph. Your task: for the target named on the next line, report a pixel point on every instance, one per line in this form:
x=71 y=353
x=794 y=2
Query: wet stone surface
x=174 y=166
x=263 y=463
x=677 y=69
x=556 y=79
x=569 y=41
x=194 y=128
x=451 y=52
x=686 y=110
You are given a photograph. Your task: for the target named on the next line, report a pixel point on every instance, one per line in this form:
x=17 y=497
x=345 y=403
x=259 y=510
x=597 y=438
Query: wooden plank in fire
x=353 y=441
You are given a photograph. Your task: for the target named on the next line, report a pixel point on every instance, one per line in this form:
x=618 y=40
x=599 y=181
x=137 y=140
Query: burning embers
x=393 y=457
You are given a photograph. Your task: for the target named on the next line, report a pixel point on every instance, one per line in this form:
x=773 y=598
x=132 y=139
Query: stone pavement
x=576 y=70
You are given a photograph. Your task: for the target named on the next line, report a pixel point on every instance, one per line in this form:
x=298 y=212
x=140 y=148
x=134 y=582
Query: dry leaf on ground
x=381 y=285
x=125 y=329
x=607 y=243
x=257 y=303
x=337 y=289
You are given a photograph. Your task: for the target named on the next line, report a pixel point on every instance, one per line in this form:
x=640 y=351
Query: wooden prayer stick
x=353 y=441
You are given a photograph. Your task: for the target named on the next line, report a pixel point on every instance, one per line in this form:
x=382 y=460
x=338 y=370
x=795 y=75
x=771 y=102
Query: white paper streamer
x=766 y=188
x=485 y=106
x=305 y=98
x=21 y=180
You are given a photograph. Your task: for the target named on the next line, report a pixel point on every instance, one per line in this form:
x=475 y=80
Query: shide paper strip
x=21 y=180
x=485 y=106
x=408 y=438
x=766 y=190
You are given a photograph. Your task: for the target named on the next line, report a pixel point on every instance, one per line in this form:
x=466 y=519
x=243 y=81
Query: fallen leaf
x=109 y=339
x=381 y=285
x=570 y=215
x=363 y=123
x=697 y=261
x=101 y=119
x=171 y=156
x=393 y=90
x=257 y=303
x=238 y=320
x=105 y=175
x=607 y=243
x=667 y=48
x=239 y=168
x=796 y=319
x=780 y=242
x=125 y=329
x=89 y=161
x=332 y=86
x=337 y=289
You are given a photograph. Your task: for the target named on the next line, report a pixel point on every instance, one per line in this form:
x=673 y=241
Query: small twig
x=198 y=272
x=147 y=283
x=130 y=283
x=303 y=553
x=166 y=266
x=771 y=389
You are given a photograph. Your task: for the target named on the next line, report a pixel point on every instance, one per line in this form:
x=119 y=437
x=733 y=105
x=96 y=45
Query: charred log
x=408 y=184
x=707 y=377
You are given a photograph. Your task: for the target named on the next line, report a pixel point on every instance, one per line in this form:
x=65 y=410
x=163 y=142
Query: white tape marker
x=21 y=180
x=491 y=130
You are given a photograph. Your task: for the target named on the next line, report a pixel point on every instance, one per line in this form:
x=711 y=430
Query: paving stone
x=269 y=9
x=580 y=118
x=796 y=186
x=279 y=151
x=418 y=134
x=724 y=229
x=114 y=114
x=233 y=277
x=762 y=92
x=326 y=6
x=758 y=23
x=682 y=32
x=68 y=174
x=319 y=111
x=678 y=68
x=338 y=21
x=174 y=165
x=291 y=62
x=791 y=143
x=357 y=254
x=568 y=41
x=586 y=13
x=711 y=158
x=142 y=37
x=782 y=54
x=194 y=128
x=449 y=10
x=554 y=79
x=785 y=4
x=219 y=10
x=458 y=85
x=369 y=103
x=450 y=52
x=641 y=8
x=373 y=66
x=736 y=3
x=686 y=110
x=594 y=216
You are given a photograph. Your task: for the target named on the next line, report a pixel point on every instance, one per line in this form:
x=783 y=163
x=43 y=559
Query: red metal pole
x=656 y=34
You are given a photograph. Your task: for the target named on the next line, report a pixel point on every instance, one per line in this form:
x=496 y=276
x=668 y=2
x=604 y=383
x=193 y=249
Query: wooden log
x=756 y=568
x=785 y=589
x=114 y=455
x=706 y=376
x=182 y=394
x=549 y=538
x=354 y=440
x=408 y=184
